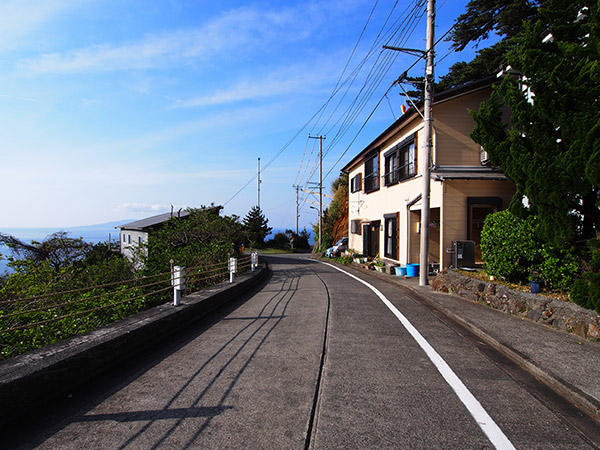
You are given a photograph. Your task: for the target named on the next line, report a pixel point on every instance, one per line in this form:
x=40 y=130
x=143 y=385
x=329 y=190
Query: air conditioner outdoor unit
x=464 y=254
x=483 y=157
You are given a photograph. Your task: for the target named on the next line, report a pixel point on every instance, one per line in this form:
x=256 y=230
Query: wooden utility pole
x=297 y=206
x=320 y=138
x=427 y=138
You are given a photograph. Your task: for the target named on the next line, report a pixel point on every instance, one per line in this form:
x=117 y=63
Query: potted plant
x=357 y=258
x=379 y=265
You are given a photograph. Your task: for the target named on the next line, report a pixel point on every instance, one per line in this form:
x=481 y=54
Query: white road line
x=483 y=419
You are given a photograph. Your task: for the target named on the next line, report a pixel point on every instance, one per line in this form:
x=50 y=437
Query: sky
x=121 y=109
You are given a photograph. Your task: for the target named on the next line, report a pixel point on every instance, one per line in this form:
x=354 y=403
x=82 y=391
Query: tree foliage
x=586 y=290
x=482 y=18
x=256 y=227
x=201 y=238
x=58 y=249
x=551 y=146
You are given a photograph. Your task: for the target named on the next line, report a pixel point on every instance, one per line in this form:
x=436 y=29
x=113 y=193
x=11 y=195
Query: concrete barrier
x=35 y=378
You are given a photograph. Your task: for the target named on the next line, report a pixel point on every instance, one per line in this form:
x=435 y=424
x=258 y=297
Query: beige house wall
x=452 y=130
x=455 y=208
x=393 y=200
x=454 y=148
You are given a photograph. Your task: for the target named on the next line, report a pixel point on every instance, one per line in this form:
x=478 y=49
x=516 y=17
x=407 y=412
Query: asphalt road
x=313 y=359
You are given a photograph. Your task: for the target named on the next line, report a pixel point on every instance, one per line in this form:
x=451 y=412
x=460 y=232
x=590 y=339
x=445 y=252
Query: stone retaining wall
x=564 y=316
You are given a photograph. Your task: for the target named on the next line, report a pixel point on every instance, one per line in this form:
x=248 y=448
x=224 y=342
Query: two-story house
x=385 y=184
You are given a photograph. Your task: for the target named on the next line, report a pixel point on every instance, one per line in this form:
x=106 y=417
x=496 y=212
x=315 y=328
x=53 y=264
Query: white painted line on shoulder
x=483 y=419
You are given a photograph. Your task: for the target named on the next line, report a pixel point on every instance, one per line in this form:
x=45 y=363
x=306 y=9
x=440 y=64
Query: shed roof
x=483 y=173
x=142 y=224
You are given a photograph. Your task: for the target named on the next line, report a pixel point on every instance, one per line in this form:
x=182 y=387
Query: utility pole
x=428 y=124
x=320 y=138
x=258 y=196
x=427 y=138
x=297 y=206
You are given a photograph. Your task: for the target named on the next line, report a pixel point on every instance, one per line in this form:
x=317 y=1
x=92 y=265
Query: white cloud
x=308 y=77
x=247 y=90
x=142 y=208
x=18 y=18
x=235 y=32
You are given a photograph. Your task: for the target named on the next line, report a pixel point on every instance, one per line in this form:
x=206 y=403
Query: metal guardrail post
x=232 y=268
x=178 y=282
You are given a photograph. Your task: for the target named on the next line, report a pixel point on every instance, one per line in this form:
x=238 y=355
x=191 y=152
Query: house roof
x=482 y=173
x=148 y=222
x=412 y=114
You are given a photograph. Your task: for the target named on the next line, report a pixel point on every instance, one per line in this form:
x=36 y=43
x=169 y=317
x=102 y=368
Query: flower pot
x=400 y=271
x=412 y=270
x=535 y=287
x=380 y=269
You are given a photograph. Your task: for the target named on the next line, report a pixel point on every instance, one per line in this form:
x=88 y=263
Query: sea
x=90 y=233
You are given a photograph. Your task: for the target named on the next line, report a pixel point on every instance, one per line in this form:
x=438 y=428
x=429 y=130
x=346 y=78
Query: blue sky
x=118 y=109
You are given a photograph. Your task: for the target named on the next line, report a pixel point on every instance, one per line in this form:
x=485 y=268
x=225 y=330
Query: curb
x=561 y=387
x=30 y=380
x=570 y=393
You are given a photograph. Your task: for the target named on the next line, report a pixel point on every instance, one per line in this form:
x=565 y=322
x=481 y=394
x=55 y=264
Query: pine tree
x=482 y=18
x=551 y=146
x=256 y=227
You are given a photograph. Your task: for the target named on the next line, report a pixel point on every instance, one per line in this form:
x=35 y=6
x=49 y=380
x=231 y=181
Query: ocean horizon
x=90 y=233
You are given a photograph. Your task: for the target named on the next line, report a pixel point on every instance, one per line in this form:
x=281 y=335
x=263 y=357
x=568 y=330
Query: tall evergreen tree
x=550 y=147
x=482 y=18
x=256 y=227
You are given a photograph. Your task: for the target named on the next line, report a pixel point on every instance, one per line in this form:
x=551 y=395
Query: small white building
x=134 y=235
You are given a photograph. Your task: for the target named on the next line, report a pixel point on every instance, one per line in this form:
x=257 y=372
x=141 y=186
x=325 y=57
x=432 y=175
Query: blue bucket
x=400 y=271
x=412 y=270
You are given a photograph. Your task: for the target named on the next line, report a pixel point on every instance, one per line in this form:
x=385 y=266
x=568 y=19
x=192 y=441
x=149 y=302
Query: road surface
x=315 y=358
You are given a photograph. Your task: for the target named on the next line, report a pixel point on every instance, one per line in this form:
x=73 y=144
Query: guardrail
x=32 y=322
x=45 y=374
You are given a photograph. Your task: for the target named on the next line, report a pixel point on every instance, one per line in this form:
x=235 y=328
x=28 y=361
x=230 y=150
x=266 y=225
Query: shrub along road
x=314 y=359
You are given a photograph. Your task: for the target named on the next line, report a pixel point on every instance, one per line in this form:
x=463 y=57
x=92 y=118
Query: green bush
x=512 y=248
x=508 y=246
x=345 y=260
x=558 y=268
x=586 y=290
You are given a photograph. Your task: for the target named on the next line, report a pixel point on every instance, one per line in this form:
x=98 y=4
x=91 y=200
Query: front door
x=371 y=239
x=391 y=237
